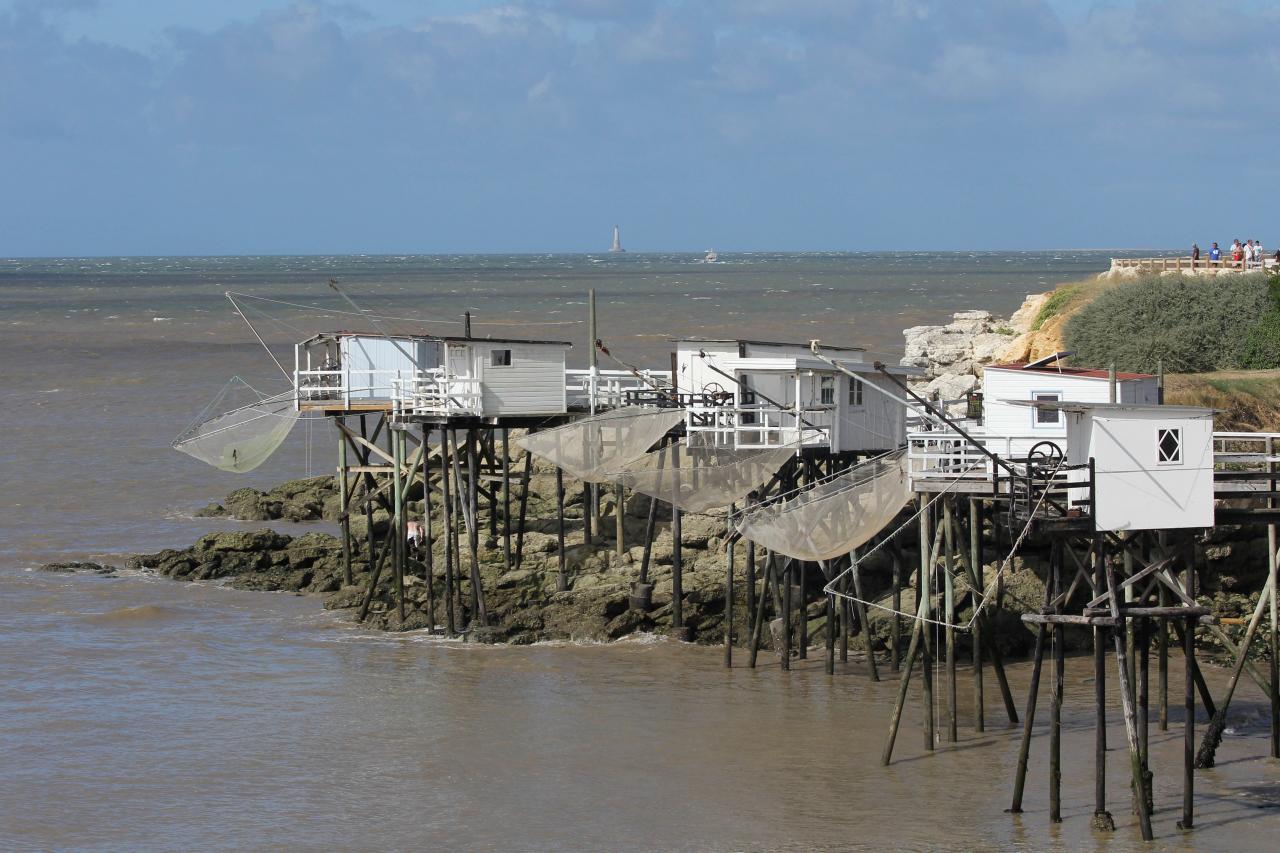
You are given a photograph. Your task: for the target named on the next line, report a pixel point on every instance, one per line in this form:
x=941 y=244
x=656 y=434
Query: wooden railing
x=1181 y=263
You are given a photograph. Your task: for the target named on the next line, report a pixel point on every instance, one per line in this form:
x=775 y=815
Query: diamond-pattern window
x=1168 y=446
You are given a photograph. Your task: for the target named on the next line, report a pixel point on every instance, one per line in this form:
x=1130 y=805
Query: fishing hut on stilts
x=816 y=460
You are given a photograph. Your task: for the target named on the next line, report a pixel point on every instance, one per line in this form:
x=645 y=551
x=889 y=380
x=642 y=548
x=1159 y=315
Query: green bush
x=1262 y=343
x=1190 y=324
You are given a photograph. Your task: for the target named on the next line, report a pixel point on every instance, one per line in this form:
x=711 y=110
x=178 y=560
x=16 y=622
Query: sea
x=139 y=713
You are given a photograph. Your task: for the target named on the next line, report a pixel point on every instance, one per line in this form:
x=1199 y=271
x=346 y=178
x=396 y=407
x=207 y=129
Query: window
x=746 y=397
x=855 y=392
x=1169 y=446
x=500 y=358
x=1047 y=417
x=827 y=390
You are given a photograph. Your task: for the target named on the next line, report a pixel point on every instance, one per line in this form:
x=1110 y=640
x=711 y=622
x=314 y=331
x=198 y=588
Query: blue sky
x=170 y=127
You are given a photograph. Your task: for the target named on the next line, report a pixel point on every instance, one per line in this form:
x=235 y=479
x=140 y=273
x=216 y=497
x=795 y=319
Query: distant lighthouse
x=617 y=241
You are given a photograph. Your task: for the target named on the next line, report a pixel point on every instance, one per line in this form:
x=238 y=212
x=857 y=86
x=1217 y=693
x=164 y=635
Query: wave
x=142 y=614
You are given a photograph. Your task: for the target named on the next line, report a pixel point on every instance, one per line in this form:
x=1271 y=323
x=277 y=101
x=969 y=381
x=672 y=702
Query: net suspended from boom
x=835 y=516
x=242 y=437
x=696 y=475
x=590 y=448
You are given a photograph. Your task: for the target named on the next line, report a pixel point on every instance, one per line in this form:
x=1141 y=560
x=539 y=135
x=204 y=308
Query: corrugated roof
x=1069 y=406
x=804 y=345
x=1082 y=372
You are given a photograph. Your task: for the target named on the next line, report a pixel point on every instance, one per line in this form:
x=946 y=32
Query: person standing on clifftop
x=1237 y=251
x=1195 y=254
x=1215 y=254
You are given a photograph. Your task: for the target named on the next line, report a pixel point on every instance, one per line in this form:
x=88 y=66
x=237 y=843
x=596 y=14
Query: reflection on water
x=149 y=714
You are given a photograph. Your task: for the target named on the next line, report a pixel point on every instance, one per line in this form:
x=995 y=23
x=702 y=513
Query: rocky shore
x=525 y=604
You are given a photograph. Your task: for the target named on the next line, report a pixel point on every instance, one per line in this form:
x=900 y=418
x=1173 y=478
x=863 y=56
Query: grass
x=1246 y=400
x=1059 y=301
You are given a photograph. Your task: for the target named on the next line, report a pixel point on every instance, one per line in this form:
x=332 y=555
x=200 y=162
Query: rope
x=985 y=595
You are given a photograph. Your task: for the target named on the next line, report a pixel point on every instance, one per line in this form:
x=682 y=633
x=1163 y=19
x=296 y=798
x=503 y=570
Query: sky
x=189 y=127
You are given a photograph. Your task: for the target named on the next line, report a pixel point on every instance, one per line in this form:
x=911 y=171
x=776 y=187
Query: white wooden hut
x=431 y=376
x=1008 y=387
x=767 y=393
x=1152 y=465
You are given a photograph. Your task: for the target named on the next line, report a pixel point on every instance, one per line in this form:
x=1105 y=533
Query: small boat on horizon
x=711 y=257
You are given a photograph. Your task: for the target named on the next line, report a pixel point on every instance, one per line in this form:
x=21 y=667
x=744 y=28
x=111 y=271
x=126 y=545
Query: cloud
x=625 y=99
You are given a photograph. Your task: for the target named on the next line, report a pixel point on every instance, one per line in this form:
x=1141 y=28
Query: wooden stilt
x=620 y=521
x=948 y=613
x=1273 y=569
x=728 y=590
x=588 y=512
x=757 y=624
x=856 y=573
x=428 y=549
x=450 y=535
x=904 y=681
x=845 y=619
x=1029 y=717
x=1189 y=696
x=803 y=569
x=1028 y=720
x=924 y=589
x=374 y=574
x=506 y=501
x=1144 y=709
x=677 y=573
x=1162 y=666
x=895 y=624
x=786 y=613
x=829 y=631
x=979 y=575
x=1055 y=689
x=343 y=503
x=751 y=588
x=562 y=576
x=396 y=439
x=525 y=474
x=1102 y=819
x=1126 y=701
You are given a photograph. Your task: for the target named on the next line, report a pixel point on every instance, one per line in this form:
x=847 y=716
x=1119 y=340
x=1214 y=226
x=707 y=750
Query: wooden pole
x=374 y=574
x=1102 y=818
x=845 y=619
x=979 y=574
x=396 y=438
x=1144 y=710
x=751 y=588
x=619 y=520
x=786 y=613
x=343 y=485
x=428 y=556
x=677 y=573
x=450 y=534
x=562 y=576
x=506 y=500
x=904 y=681
x=856 y=571
x=803 y=569
x=1126 y=701
x=1273 y=572
x=948 y=615
x=924 y=587
x=895 y=624
x=1029 y=718
x=1189 y=696
x=728 y=590
x=1055 y=688
x=757 y=624
x=1162 y=667
x=524 y=505
x=831 y=618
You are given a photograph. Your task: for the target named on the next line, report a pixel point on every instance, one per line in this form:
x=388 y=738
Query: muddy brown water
x=146 y=714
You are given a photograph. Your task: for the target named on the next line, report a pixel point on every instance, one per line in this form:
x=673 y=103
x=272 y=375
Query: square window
x=500 y=358
x=1169 y=446
x=1047 y=417
x=855 y=392
x=827 y=390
